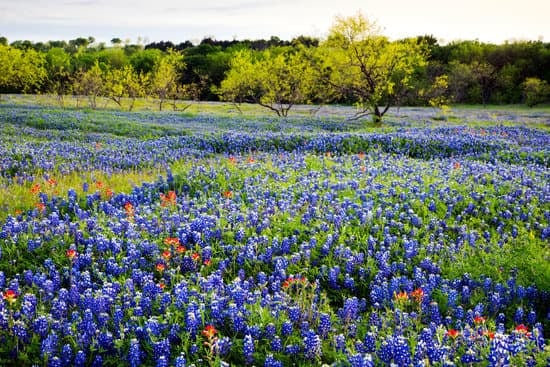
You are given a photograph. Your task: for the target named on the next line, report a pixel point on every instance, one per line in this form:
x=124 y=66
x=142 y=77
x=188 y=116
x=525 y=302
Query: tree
x=365 y=67
x=90 y=83
x=535 y=91
x=164 y=77
x=277 y=80
x=124 y=83
x=58 y=66
x=21 y=71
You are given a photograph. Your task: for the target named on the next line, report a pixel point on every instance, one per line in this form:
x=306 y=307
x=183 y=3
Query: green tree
x=123 y=84
x=535 y=91
x=90 y=83
x=58 y=66
x=277 y=80
x=21 y=71
x=164 y=78
x=363 y=66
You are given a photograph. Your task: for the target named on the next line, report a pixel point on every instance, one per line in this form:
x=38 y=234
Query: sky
x=147 y=21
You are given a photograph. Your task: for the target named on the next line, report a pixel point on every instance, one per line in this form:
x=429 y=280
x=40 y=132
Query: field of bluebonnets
x=163 y=239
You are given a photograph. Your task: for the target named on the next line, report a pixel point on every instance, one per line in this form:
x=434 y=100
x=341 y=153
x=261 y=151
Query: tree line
x=355 y=64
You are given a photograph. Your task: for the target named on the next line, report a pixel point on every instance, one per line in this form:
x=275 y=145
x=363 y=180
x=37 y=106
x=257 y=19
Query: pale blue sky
x=180 y=20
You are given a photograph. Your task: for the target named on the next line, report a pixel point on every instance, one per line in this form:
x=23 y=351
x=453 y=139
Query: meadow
x=208 y=239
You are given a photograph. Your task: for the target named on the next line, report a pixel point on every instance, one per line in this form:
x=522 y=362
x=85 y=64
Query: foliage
x=21 y=70
x=164 y=78
x=365 y=66
x=277 y=80
x=90 y=83
x=125 y=83
x=535 y=91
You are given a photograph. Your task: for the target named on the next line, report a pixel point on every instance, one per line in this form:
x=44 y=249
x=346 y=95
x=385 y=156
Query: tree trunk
x=377 y=115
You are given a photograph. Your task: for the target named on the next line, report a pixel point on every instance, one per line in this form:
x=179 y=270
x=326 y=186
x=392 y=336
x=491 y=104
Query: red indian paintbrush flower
x=209 y=331
x=418 y=295
x=172 y=241
x=522 y=329
x=166 y=255
x=479 y=320
x=10 y=296
x=71 y=253
x=35 y=189
x=168 y=199
x=160 y=267
x=453 y=333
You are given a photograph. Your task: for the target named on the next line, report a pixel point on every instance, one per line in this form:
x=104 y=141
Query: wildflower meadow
x=166 y=239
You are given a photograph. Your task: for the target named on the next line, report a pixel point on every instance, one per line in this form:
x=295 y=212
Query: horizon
x=487 y=21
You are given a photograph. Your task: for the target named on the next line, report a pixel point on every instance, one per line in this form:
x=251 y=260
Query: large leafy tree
x=276 y=79
x=362 y=65
x=90 y=83
x=164 y=78
x=21 y=70
x=58 y=66
x=125 y=83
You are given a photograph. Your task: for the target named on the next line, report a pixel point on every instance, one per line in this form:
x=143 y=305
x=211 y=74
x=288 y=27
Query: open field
x=209 y=237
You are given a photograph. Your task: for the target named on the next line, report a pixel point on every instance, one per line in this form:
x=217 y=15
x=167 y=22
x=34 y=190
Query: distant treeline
x=469 y=72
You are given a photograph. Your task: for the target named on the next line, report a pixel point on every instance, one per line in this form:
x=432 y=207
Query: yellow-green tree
x=21 y=70
x=58 y=66
x=163 y=81
x=90 y=83
x=535 y=91
x=362 y=65
x=123 y=84
x=276 y=79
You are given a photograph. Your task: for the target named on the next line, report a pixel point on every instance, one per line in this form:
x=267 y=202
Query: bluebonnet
x=248 y=349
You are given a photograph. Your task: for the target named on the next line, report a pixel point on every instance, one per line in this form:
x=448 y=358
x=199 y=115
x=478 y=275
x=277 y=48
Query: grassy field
x=207 y=237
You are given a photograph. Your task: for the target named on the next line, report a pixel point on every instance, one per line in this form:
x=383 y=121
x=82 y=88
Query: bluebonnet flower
x=248 y=349
x=80 y=359
x=270 y=361
x=312 y=345
x=180 y=361
x=286 y=328
x=276 y=344
x=324 y=325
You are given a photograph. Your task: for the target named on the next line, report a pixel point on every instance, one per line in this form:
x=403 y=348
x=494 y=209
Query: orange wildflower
x=209 y=331
x=108 y=193
x=401 y=296
x=228 y=194
x=418 y=295
x=166 y=255
x=479 y=320
x=71 y=253
x=180 y=249
x=129 y=208
x=41 y=207
x=195 y=256
x=35 y=189
x=10 y=296
x=168 y=199
x=522 y=329
x=172 y=241
x=160 y=267
x=453 y=333
x=456 y=165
